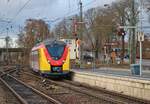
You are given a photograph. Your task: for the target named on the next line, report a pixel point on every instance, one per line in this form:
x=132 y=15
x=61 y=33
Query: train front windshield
x=55 y=50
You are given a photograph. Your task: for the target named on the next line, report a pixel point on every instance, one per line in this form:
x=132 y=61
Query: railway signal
x=122 y=33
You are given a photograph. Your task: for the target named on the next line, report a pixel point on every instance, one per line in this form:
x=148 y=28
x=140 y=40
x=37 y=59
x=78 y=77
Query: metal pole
x=7 y=40
x=123 y=48
x=7 y=48
x=141 y=13
x=140 y=58
x=131 y=43
x=133 y=23
x=81 y=20
x=129 y=47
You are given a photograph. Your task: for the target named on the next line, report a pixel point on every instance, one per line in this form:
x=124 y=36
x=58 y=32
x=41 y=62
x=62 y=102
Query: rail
x=112 y=97
x=25 y=93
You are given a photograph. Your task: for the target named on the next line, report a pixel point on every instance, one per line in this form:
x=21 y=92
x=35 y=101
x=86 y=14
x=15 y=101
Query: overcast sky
x=39 y=9
x=12 y=10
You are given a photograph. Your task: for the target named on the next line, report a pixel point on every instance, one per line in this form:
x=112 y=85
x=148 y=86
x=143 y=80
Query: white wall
x=13 y=43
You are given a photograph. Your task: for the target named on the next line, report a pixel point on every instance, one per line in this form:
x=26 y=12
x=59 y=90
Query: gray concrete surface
x=115 y=72
x=131 y=86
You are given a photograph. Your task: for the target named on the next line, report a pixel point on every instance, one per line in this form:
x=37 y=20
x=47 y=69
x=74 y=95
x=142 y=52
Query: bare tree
x=127 y=11
x=63 y=28
x=147 y=5
x=34 y=32
x=99 y=28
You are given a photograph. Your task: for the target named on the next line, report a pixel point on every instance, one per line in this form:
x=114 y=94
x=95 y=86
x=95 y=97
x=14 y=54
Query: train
x=51 y=57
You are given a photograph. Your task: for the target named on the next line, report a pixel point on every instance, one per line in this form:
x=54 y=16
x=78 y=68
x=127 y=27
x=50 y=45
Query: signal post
x=140 y=39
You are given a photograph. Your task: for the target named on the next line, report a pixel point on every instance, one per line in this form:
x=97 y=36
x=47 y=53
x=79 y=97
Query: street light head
x=107 y=5
x=148 y=8
x=71 y=19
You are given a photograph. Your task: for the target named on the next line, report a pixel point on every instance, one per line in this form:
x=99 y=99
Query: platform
x=116 y=72
x=119 y=80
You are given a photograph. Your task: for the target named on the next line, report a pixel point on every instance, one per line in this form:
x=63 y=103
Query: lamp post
x=7 y=42
x=133 y=23
x=81 y=32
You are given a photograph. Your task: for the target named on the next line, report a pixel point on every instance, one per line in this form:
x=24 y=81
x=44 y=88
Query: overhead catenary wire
x=56 y=19
x=20 y=10
x=77 y=9
x=69 y=6
x=73 y=11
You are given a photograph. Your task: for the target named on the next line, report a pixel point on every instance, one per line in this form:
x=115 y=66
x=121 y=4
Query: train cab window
x=55 y=50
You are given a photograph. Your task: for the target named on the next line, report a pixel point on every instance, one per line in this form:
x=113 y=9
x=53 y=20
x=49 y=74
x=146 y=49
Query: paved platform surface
x=119 y=80
x=115 y=72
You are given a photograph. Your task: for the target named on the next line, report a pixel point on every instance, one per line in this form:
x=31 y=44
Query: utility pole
x=122 y=33
x=81 y=31
x=133 y=23
x=123 y=43
x=141 y=35
x=7 y=41
x=123 y=46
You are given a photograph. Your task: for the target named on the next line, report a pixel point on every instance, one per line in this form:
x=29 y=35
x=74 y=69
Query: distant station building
x=12 y=54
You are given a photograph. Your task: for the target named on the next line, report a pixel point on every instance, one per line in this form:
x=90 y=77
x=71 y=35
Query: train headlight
x=48 y=61
x=63 y=61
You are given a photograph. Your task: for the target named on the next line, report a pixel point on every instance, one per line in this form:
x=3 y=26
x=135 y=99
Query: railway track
x=25 y=93
x=62 y=93
x=4 y=70
x=1 y=73
x=110 y=94
x=101 y=94
x=6 y=96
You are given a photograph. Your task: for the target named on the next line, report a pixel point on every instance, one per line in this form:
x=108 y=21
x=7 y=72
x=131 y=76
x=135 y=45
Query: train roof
x=47 y=42
x=51 y=41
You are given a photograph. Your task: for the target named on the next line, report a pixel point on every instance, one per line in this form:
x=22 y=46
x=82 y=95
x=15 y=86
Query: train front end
x=58 y=58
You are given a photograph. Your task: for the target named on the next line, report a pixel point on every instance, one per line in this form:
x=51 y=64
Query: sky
x=17 y=11
x=13 y=13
